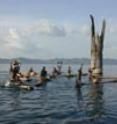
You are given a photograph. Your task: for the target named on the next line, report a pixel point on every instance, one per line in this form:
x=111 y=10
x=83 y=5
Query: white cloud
x=13 y=39
x=85 y=30
x=44 y=27
x=13 y=34
x=47 y=39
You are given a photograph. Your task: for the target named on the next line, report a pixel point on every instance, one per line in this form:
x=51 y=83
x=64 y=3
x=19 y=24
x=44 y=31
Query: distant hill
x=54 y=61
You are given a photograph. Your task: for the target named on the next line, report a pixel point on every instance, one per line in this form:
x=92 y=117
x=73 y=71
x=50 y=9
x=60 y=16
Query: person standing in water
x=79 y=78
x=15 y=69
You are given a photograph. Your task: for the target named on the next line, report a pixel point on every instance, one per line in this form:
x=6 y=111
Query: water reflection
x=79 y=94
x=15 y=100
x=80 y=102
x=96 y=102
x=58 y=101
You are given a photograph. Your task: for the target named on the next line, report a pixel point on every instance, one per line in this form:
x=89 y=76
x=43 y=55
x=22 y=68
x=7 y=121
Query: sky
x=47 y=29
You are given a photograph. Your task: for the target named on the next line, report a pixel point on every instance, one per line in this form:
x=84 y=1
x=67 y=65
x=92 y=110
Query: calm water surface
x=59 y=102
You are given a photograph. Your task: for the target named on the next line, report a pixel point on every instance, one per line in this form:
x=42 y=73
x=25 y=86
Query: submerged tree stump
x=97 y=41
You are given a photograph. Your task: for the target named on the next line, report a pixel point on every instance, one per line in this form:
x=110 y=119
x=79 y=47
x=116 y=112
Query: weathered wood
x=109 y=77
x=97 y=40
x=102 y=43
x=93 y=59
x=97 y=79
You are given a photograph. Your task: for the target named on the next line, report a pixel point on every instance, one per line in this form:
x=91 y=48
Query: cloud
x=46 y=28
x=48 y=39
x=77 y=30
x=85 y=30
x=26 y=42
x=13 y=39
x=43 y=39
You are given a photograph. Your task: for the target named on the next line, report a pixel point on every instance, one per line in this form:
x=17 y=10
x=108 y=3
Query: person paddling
x=79 y=78
x=31 y=72
x=69 y=70
x=54 y=72
x=43 y=74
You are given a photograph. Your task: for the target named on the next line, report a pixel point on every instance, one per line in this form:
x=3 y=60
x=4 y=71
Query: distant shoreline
x=85 y=61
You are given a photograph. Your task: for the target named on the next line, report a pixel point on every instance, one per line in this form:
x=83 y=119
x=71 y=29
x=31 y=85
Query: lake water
x=59 y=102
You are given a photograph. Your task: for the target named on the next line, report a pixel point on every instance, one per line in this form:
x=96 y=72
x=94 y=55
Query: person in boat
x=21 y=84
x=59 y=67
x=69 y=70
x=43 y=74
x=15 y=69
x=81 y=67
x=18 y=79
x=79 y=78
x=54 y=72
x=31 y=72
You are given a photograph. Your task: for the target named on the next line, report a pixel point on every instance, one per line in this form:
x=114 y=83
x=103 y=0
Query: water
x=59 y=102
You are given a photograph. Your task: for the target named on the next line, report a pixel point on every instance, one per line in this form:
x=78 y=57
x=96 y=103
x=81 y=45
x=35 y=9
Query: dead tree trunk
x=97 y=40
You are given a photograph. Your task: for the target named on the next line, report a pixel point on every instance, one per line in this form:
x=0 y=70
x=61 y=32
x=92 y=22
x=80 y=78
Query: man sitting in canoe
x=43 y=74
x=69 y=70
x=54 y=73
x=31 y=73
x=15 y=71
x=43 y=77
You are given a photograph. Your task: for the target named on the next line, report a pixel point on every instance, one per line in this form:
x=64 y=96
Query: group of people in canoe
x=43 y=76
x=17 y=76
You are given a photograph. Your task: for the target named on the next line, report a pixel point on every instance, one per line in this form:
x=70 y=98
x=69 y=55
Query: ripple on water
x=59 y=102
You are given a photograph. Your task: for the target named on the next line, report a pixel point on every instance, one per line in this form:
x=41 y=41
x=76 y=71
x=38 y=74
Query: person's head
x=16 y=62
x=54 y=68
x=44 y=68
x=69 y=66
x=79 y=71
x=82 y=64
x=31 y=69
